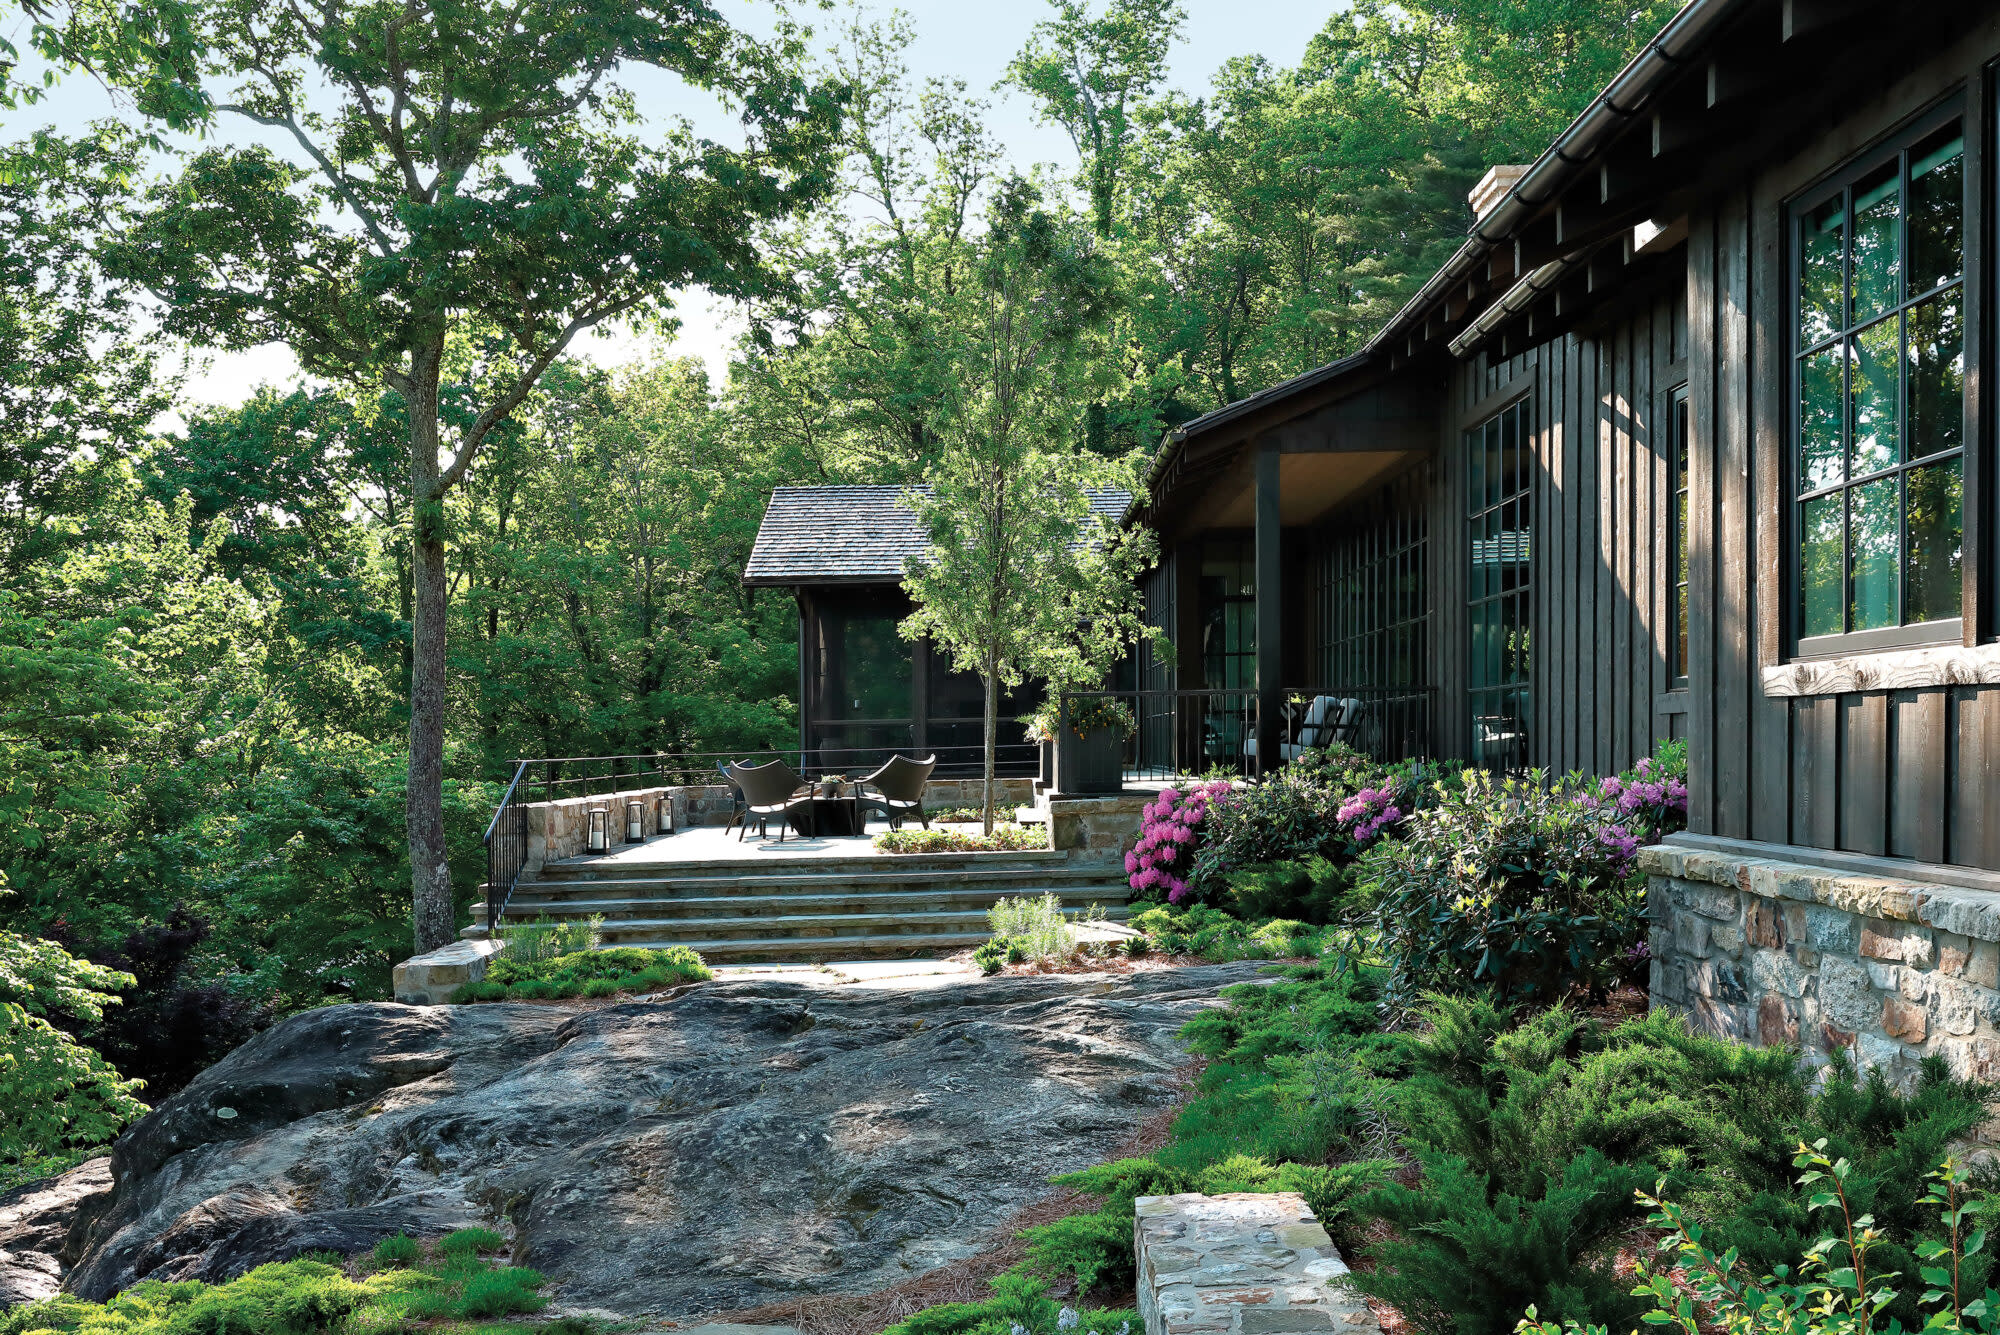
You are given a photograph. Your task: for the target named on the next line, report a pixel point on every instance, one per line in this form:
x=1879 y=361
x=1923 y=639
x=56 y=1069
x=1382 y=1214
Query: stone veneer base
x=1770 y=951
x=1240 y=1263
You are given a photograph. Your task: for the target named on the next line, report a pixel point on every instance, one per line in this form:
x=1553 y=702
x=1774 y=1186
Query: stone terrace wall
x=1778 y=952
x=1098 y=828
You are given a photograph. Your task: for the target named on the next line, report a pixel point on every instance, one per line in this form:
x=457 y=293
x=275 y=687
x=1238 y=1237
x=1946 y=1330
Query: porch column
x=1270 y=635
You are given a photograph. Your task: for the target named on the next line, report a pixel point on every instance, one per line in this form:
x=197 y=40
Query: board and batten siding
x=1600 y=417
x=1887 y=772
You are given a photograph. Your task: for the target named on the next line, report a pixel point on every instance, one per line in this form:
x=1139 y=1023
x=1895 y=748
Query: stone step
x=528 y=902
x=998 y=880
x=844 y=947
x=662 y=856
x=805 y=927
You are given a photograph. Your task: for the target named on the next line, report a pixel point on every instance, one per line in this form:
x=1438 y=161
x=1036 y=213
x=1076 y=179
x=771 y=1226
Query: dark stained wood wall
x=1902 y=773
x=1599 y=404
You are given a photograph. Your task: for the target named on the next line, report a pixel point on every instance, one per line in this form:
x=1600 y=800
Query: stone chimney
x=1493 y=187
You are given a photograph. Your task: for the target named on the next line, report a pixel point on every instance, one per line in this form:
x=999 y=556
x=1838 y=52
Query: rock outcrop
x=35 y=1220
x=742 y=1142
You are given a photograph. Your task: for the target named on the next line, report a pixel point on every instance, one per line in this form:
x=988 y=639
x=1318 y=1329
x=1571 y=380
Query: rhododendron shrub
x=1523 y=886
x=1169 y=836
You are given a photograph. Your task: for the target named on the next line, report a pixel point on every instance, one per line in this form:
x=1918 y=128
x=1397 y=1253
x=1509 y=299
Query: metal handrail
x=510 y=849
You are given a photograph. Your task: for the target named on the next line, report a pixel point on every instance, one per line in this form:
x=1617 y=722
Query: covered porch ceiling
x=1334 y=435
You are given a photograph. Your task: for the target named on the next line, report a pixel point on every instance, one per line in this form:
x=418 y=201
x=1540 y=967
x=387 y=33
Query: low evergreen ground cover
x=585 y=973
x=403 y=1286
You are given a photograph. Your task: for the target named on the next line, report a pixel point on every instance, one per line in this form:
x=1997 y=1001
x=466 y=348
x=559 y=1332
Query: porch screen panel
x=1374 y=618
x=1499 y=474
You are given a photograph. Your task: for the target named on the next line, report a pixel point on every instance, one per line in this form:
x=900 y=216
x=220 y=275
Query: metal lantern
x=635 y=822
x=597 y=837
x=665 y=823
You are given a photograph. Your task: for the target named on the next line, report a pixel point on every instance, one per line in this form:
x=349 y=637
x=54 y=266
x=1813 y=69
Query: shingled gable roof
x=850 y=535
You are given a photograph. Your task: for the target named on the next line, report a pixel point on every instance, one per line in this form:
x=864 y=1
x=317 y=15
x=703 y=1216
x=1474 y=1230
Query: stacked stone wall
x=1241 y=1263
x=1776 y=952
x=1098 y=828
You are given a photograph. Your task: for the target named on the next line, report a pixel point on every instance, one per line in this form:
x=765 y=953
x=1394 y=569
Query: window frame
x=1892 y=147
x=1470 y=513
x=1680 y=556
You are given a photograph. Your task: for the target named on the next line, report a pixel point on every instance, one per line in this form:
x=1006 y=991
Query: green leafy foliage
x=1037 y=926
x=1217 y=936
x=1841 y=1285
x=1534 y=1134
x=1515 y=886
x=593 y=973
x=56 y=1096
x=1006 y=838
x=1019 y=1302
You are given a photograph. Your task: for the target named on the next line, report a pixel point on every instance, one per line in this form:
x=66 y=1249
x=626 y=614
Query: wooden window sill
x=1887 y=670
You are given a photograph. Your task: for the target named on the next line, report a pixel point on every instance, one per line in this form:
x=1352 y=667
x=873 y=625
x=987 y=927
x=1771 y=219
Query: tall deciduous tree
x=463 y=169
x=1019 y=579
x=1089 y=72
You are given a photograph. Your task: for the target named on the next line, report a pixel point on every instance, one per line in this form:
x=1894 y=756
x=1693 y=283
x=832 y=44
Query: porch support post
x=1270 y=698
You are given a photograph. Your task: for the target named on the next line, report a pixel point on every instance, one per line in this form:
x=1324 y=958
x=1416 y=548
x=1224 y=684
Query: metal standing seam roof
x=852 y=535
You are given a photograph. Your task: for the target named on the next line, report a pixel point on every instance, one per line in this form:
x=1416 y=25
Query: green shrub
x=1843 y=1283
x=990 y=955
x=1534 y=1136
x=1019 y=1303
x=590 y=973
x=1216 y=936
x=1005 y=838
x=1311 y=889
x=545 y=938
x=1036 y=926
x=1511 y=886
x=471 y=1241
x=502 y=1292
x=397 y=1249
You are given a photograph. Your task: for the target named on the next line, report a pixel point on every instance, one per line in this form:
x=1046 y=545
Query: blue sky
x=954 y=39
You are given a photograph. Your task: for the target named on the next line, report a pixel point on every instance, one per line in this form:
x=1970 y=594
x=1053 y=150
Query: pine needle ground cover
x=403 y=1287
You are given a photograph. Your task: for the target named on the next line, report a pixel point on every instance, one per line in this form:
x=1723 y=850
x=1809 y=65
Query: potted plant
x=1090 y=745
x=830 y=784
x=1042 y=727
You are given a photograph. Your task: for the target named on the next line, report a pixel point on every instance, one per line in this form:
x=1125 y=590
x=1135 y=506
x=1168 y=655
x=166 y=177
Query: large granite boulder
x=734 y=1145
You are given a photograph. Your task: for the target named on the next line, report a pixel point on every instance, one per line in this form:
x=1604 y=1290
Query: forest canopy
x=206 y=612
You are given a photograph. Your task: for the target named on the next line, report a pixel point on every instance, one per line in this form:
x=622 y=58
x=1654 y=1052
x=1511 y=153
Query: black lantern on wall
x=665 y=821
x=597 y=834
x=635 y=822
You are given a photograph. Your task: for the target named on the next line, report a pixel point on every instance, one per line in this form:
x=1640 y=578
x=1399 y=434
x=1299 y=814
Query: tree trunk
x=992 y=730
x=430 y=869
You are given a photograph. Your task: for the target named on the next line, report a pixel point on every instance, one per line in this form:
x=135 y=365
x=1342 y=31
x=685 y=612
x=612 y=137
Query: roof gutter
x=1625 y=98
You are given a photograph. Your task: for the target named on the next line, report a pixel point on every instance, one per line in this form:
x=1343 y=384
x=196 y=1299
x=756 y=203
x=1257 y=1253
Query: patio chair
x=898 y=789
x=739 y=807
x=1327 y=720
x=770 y=789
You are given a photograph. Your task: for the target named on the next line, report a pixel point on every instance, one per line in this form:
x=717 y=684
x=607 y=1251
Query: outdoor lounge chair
x=1327 y=720
x=898 y=789
x=770 y=789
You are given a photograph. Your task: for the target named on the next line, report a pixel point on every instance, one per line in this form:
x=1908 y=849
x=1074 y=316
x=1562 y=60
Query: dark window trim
x=1680 y=431
x=1958 y=104
x=1514 y=396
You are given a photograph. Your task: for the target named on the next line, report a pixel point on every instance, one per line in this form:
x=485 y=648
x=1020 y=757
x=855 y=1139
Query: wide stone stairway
x=807 y=906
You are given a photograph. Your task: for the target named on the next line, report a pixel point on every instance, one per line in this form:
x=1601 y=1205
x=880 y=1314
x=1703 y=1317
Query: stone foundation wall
x=1100 y=828
x=1240 y=1263
x=1007 y=794
x=1767 y=951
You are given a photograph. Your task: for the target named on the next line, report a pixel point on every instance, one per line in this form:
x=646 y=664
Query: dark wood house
x=1687 y=440
x=865 y=692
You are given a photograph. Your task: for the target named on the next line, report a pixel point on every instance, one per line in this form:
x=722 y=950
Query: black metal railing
x=506 y=849
x=1180 y=734
x=550 y=778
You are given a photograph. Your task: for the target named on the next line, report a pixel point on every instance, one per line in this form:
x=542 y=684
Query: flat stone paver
x=1241 y=1263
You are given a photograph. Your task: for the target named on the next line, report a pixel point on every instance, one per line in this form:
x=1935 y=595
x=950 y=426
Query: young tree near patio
x=1019 y=580
x=469 y=182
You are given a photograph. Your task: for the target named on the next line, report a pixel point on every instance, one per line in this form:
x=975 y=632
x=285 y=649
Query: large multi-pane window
x=1879 y=383
x=1374 y=615
x=1499 y=475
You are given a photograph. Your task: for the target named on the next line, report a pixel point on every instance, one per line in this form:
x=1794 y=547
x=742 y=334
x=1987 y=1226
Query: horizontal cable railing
x=1182 y=734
